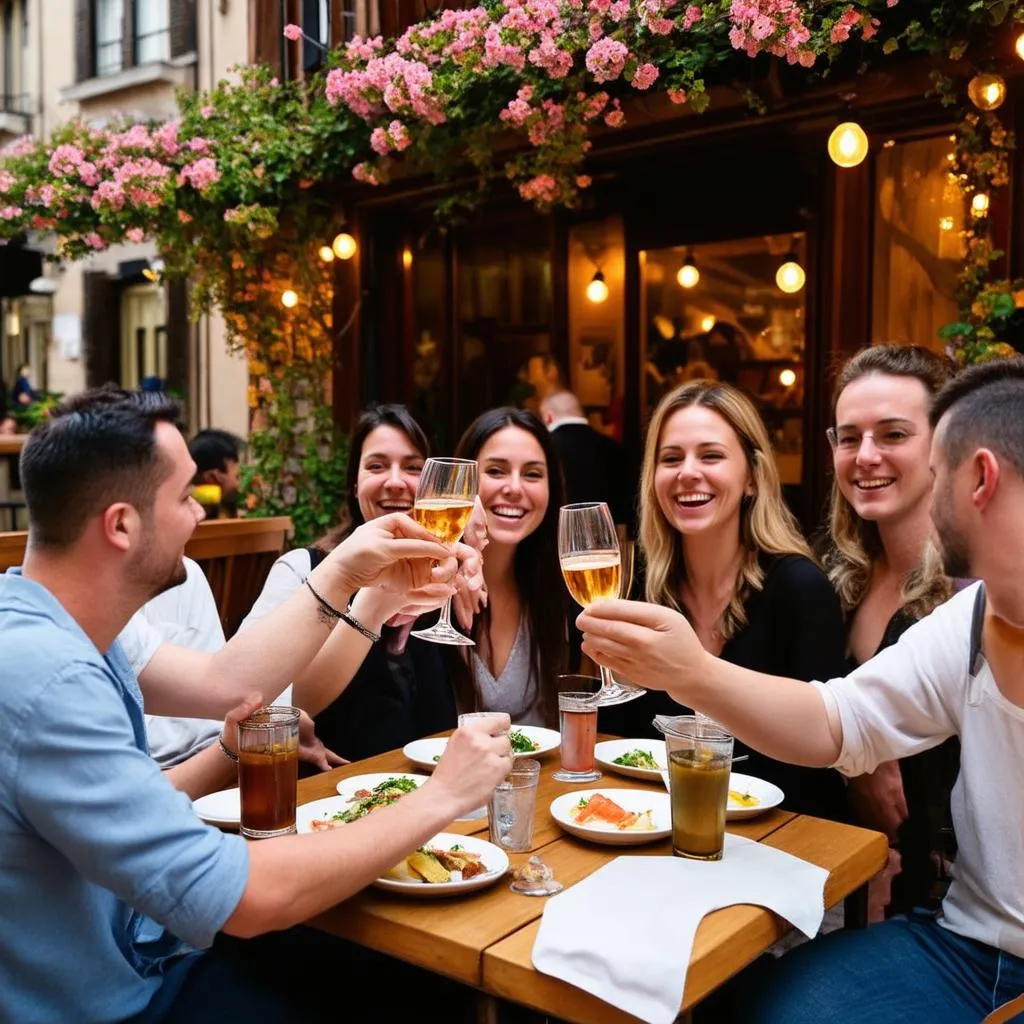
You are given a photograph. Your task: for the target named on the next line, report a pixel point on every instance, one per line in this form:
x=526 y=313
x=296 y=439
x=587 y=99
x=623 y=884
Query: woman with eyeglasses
x=720 y=546
x=887 y=572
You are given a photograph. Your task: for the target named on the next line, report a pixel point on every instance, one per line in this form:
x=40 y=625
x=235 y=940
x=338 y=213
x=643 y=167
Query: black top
x=595 y=469
x=794 y=629
x=393 y=698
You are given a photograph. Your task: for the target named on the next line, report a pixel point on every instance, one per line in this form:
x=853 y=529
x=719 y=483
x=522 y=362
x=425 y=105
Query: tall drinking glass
x=444 y=505
x=588 y=550
x=268 y=767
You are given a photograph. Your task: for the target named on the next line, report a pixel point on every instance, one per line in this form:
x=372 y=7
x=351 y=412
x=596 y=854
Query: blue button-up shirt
x=96 y=847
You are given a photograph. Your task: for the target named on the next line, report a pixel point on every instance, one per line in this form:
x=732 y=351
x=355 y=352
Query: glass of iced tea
x=699 y=763
x=268 y=771
x=577 y=722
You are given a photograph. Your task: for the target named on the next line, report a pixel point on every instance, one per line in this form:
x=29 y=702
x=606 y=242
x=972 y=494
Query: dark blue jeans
x=298 y=976
x=904 y=970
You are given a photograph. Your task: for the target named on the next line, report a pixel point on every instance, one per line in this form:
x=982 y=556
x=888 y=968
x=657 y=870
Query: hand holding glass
x=443 y=505
x=588 y=549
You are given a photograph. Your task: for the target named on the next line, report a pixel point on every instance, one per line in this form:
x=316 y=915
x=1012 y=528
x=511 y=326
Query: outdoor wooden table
x=485 y=939
x=10 y=451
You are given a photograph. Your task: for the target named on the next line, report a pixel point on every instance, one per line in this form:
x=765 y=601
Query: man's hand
x=476 y=758
x=393 y=552
x=229 y=734
x=645 y=643
x=312 y=750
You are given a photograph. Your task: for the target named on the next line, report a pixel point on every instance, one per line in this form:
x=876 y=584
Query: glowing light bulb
x=289 y=299
x=344 y=246
x=688 y=275
x=945 y=223
x=787 y=378
x=979 y=204
x=790 y=277
x=987 y=91
x=1019 y=46
x=407 y=258
x=597 y=290
x=707 y=323
x=326 y=253
x=848 y=144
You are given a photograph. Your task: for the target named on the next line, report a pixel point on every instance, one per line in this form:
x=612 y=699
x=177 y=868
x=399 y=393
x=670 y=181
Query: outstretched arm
x=656 y=647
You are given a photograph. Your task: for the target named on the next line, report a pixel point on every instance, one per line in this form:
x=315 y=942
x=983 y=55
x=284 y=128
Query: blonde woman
x=720 y=546
x=887 y=573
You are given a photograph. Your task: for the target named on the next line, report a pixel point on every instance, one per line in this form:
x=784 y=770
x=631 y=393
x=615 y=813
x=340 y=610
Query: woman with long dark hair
x=367 y=696
x=521 y=632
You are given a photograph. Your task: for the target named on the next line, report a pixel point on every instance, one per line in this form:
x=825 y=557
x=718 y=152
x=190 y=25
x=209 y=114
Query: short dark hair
x=95 y=449
x=214 y=449
x=984 y=408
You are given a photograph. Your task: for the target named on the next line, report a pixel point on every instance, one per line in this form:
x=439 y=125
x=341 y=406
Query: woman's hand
x=878 y=798
x=312 y=750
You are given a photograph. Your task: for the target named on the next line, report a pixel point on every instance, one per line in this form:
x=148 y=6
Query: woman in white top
x=368 y=697
x=521 y=634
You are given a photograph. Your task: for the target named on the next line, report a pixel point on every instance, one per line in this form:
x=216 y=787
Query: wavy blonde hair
x=766 y=526
x=854 y=544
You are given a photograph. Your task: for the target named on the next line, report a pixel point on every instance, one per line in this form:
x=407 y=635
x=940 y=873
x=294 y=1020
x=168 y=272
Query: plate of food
x=617 y=817
x=639 y=759
x=223 y=808
x=357 y=796
x=447 y=865
x=750 y=796
x=526 y=740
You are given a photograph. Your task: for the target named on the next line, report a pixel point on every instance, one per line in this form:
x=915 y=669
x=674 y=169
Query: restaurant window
x=143 y=335
x=109 y=32
x=742 y=321
x=503 y=313
x=152 y=31
x=918 y=251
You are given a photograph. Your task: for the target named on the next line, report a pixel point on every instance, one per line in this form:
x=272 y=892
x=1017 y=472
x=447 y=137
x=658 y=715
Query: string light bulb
x=1018 y=45
x=688 y=275
x=597 y=290
x=344 y=246
x=707 y=323
x=979 y=204
x=326 y=253
x=987 y=91
x=787 y=377
x=407 y=257
x=790 y=277
x=289 y=299
x=848 y=144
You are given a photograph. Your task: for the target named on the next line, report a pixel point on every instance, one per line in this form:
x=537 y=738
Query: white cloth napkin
x=625 y=933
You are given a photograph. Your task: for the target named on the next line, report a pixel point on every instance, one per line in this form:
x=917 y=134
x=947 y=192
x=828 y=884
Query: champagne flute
x=591 y=560
x=444 y=504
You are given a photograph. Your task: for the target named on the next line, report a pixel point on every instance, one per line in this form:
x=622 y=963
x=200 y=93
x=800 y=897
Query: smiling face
x=880 y=451
x=513 y=484
x=701 y=473
x=389 y=473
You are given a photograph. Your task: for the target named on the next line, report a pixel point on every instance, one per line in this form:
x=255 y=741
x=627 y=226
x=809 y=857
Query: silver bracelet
x=351 y=620
x=226 y=751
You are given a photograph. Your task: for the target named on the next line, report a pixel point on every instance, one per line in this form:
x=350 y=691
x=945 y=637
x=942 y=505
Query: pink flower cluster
x=394 y=138
x=774 y=26
x=387 y=83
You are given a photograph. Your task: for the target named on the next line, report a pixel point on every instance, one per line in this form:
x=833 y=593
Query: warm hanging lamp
x=597 y=289
x=688 y=275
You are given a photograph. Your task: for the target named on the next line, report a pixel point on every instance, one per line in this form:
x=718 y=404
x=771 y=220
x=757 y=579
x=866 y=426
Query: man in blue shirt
x=109 y=884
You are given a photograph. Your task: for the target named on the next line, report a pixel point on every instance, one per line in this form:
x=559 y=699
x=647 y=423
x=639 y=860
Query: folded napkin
x=625 y=933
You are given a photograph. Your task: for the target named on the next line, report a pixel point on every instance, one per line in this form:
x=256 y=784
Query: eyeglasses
x=848 y=440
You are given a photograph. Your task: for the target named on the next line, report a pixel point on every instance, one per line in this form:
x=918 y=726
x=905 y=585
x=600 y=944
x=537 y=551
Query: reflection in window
x=152 y=31
x=109 y=28
x=736 y=324
x=918 y=252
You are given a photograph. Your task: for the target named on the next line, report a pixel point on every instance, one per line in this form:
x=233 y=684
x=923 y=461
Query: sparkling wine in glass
x=443 y=505
x=588 y=549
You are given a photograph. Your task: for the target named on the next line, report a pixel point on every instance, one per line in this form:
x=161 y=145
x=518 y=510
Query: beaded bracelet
x=352 y=621
x=226 y=750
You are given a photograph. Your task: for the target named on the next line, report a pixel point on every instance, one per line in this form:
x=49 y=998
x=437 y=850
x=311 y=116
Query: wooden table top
x=485 y=939
x=11 y=444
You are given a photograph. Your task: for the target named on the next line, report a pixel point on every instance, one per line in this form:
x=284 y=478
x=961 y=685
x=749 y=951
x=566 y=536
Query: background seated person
x=217 y=455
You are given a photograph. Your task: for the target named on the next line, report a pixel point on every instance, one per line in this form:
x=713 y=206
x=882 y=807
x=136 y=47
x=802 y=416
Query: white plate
x=629 y=799
x=606 y=752
x=423 y=752
x=222 y=808
x=347 y=787
x=495 y=860
x=768 y=796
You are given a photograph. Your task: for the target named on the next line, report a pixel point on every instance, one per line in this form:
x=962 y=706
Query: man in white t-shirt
x=186 y=616
x=958 y=672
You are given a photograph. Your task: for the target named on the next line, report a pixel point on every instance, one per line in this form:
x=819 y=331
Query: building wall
x=217 y=380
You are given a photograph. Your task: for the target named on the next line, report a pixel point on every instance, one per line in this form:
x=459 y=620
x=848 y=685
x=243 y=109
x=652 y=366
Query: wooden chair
x=235 y=554
x=1007 y=1012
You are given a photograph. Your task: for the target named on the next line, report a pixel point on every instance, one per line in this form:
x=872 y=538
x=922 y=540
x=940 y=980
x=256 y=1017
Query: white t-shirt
x=185 y=616
x=911 y=697
x=286 y=575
